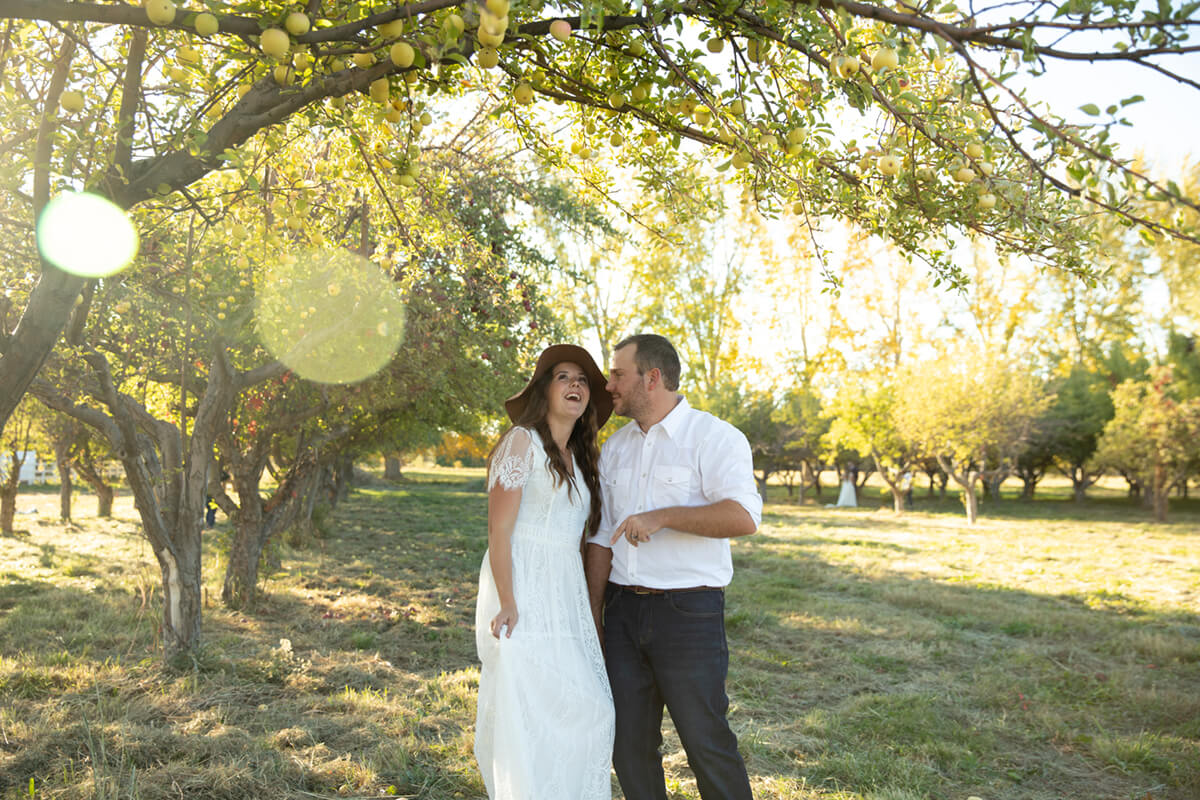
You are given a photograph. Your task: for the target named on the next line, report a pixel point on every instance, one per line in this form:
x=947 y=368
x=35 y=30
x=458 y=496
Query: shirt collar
x=674 y=418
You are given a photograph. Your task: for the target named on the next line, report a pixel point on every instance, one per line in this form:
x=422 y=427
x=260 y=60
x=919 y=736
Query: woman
x=544 y=723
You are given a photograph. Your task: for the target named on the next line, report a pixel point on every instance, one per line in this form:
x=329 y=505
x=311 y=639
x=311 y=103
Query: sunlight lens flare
x=332 y=316
x=86 y=235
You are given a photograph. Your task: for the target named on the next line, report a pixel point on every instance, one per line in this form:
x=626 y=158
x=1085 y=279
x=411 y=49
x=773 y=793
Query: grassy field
x=1051 y=651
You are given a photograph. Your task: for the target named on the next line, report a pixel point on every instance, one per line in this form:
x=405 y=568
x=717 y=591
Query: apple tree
x=1153 y=435
x=973 y=416
x=135 y=102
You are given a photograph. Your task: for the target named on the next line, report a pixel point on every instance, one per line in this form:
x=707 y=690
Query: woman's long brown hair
x=582 y=444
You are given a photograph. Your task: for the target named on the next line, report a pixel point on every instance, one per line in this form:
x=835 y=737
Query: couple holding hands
x=601 y=596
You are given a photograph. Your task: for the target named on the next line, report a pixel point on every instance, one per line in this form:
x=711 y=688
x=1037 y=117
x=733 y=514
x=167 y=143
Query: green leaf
x=1128 y=101
x=1091 y=109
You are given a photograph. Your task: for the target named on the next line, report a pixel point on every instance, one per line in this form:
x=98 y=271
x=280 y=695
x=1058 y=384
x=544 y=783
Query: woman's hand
x=506 y=618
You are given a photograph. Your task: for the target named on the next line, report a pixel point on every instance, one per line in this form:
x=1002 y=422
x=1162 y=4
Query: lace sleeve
x=513 y=462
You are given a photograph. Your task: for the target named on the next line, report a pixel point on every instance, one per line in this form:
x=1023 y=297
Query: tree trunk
x=966 y=478
x=972 y=503
x=43 y=320
x=62 y=461
x=8 y=493
x=241 y=573
x=104 y=492
x=392 y=464
x=256 y=521
x=762 y=484
x=1160 y=493
x=8 y=508
x=1029 y=486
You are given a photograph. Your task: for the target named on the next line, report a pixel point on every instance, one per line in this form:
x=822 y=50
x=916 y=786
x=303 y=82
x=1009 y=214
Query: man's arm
x=725 y=519
x=597 y=564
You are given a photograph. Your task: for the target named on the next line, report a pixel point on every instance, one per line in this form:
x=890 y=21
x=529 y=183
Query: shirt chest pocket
x=672 y=486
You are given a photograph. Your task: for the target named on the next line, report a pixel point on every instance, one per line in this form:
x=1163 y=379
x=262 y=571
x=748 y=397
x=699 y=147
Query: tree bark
x=9 y=489
x=966 y=478
x=104 y=493
x=8 y=502
x=256 y=521
x=62 y=461
x=392 y=467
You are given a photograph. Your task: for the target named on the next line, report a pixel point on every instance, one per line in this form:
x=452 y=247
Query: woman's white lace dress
x=544 y=723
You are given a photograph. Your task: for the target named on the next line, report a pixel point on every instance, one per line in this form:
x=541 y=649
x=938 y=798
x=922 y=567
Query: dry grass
x=1049 y=652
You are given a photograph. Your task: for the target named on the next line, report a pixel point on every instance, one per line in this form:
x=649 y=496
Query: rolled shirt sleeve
x=727 y=470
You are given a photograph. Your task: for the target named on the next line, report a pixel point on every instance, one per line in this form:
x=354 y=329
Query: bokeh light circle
x=86 y=235
x=331 y=315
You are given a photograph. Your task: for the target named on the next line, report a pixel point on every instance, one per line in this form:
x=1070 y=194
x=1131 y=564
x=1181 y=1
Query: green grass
x=1052 y=651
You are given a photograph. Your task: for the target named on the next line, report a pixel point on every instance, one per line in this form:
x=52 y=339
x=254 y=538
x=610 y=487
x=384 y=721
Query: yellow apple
x=179 y=74
x=187 y=55
x=71 y=101
x=639 y=93
x=650 y=138
x=702 y=115
x=453 y=26
x=987 y=200
x=488 y=57
x=160 y=12
x=616 y=100
x=939 y=63
x=492 y=24
x=381 y=90
x=846 y=66
x=206 y=24
x=986 y=167
x=390 y=30
x=394 y=115
x=498 y=7
x=964 y=175
x=402 y=54
x=737 y=108
x=523 y=94
x=426 y=118
x=275 y=43
x=884 y=58
x=363 y=60
x=616 y=140
x=560 y=29
x=243 y=90
x=715 y=45
x=924 y=174
x=302 y=61
x=297 y=23
x=974 y=150
x=489 y=39
x=283 y=75
x=888 y=165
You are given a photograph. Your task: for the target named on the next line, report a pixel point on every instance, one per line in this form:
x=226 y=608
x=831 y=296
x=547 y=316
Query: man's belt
x=648 y=590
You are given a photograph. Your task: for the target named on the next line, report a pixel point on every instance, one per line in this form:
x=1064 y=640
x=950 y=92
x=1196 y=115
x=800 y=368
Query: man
x=678 y=485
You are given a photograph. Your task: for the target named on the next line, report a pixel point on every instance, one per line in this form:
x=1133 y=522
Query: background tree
x=1152 y=434
x=976 y=419
x=864 y=419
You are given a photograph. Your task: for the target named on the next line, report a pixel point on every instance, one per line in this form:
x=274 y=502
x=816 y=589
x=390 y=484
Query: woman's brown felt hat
x=557 y=354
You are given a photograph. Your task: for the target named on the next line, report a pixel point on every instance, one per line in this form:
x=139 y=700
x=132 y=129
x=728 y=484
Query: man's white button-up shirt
x=689 y=458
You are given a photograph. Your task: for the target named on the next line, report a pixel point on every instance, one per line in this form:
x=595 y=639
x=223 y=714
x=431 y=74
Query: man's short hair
x=654 y=352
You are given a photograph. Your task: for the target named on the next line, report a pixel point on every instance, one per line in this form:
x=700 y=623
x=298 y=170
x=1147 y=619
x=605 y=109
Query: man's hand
x=639 y=527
